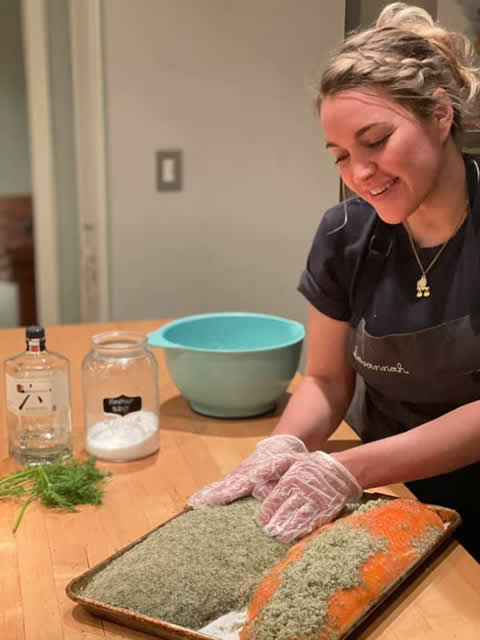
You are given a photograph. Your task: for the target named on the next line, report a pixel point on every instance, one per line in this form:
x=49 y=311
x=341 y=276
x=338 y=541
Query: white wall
x=230 y=84
x=15 y=177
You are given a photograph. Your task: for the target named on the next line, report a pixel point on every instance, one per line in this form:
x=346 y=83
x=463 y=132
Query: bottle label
x=121 y=405
x=42 y=395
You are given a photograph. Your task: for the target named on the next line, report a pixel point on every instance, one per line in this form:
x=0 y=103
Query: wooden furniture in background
x=442 y=602
x=17 y=252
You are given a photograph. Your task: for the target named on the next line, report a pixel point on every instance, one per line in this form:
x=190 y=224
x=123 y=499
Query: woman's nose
x=363 y=171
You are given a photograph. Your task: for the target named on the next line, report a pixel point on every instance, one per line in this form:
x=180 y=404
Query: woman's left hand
x=310 y=494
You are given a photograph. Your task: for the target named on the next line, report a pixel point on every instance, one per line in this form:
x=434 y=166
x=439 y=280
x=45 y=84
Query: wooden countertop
x=51 y=548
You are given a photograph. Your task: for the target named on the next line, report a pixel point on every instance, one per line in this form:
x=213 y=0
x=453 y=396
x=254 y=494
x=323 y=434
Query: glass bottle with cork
x=38 y=403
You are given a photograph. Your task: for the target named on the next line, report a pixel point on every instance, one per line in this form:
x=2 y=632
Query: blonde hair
x=409 y=56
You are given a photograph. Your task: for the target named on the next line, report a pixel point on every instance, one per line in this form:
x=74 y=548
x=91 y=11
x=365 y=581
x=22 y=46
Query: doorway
x=66 y=183
x=18 y=304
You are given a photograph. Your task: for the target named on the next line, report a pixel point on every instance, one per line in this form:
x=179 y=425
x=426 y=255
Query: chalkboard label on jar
x=121 y=405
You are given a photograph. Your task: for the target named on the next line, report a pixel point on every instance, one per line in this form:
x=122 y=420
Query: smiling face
x=384 y=153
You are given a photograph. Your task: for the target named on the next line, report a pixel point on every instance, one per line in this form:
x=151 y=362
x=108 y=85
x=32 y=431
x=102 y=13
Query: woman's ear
x=443 y=113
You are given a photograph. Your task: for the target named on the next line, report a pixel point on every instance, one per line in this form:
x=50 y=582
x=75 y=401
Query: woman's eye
x=378 y=143
x=340 y=159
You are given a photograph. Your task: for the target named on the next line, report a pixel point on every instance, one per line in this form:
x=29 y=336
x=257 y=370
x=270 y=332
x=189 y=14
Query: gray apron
x=405 y=380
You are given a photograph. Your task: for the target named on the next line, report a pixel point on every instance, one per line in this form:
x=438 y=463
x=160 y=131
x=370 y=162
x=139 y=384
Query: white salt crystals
x=128 y=437
x=120 y=394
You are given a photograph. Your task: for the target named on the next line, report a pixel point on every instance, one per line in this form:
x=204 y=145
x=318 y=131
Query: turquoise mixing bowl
x=231 y=365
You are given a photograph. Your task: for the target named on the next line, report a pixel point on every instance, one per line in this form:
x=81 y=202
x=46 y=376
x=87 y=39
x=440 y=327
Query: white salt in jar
x=120 y=393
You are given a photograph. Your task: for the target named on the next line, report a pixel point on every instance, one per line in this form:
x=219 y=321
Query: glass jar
x=120 y=395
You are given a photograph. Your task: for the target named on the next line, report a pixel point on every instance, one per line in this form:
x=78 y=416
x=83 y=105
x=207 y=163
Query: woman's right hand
x=262 y=470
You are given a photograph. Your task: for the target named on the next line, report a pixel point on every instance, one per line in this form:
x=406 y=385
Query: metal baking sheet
x=450 y=518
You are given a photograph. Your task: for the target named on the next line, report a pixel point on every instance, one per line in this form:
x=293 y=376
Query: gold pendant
x=423 y=290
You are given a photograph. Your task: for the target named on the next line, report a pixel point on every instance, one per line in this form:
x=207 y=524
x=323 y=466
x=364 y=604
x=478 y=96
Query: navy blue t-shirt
x=394 y=308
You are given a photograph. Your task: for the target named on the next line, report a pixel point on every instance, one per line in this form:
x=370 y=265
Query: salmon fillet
x=329 y=579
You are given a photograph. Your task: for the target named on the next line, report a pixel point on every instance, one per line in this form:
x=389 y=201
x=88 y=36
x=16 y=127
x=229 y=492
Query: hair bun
x=403 y=16
x=454 y=47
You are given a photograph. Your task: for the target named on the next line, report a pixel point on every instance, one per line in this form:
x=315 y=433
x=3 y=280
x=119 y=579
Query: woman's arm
x=313 y=413
x=439 y=446
x=319 y=403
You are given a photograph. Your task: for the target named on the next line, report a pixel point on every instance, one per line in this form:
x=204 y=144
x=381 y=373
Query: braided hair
x=409 y=56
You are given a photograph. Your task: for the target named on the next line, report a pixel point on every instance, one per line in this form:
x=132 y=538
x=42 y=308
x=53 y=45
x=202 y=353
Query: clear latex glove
x=311 y=493
x=265 y=466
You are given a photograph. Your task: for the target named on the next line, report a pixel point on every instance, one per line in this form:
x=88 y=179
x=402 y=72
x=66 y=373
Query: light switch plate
x=169 y=170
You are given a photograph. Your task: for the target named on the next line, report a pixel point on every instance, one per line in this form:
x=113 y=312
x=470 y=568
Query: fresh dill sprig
x=58 y=485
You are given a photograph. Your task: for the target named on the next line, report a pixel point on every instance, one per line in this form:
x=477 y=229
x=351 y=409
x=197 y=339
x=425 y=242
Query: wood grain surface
x=50 y=548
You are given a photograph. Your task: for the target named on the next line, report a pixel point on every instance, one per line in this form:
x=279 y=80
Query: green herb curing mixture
x=322 y=589
x=196 y=568
x=299 y=606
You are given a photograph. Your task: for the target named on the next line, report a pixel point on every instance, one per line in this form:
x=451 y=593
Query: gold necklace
x=423 y=288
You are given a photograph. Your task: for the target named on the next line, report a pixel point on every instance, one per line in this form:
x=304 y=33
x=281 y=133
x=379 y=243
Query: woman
x=393 y=285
